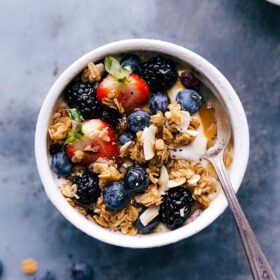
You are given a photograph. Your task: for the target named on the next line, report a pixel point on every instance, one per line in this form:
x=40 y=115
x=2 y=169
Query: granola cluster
x=61 y=124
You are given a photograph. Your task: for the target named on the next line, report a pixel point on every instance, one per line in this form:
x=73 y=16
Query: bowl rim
x=217 y=82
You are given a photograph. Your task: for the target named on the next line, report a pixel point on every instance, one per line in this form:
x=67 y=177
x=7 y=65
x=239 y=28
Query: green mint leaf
x=74 y=114
x=112 y=66
x=75 y=135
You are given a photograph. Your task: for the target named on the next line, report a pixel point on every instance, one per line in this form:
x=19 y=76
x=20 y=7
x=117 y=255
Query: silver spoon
x=259 y=264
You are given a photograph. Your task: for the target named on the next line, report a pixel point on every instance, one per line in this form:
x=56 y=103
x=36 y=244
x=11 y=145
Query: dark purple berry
x=189 y=80
x=83 y=97
x=159 y=73
x=176 y=207
x=88 y=189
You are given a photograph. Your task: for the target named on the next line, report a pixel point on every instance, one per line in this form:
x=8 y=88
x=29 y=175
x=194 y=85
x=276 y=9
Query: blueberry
x=138 y=120
x=136 y=179
x=115 y=195
x=189 y=100
x=45 y=276
x=61 y=165
x=149 y=227
x=1 y=269
x=81 y=271
x=131 y=60
x=159 y=102
x=125 y=137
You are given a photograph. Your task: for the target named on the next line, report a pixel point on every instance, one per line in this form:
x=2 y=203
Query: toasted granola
x=61 y=124
x=93 y=72
x=122 y=220
x=107 y=170
x=29 y=266
x=151 y=197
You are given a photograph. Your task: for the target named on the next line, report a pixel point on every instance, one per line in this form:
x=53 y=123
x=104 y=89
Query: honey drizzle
x=209 y=123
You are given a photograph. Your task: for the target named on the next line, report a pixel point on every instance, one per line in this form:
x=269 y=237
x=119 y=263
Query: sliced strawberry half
x=98 y=140
x=131 y=93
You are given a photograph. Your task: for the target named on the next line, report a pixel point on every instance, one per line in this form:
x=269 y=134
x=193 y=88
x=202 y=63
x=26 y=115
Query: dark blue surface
x=41 y=38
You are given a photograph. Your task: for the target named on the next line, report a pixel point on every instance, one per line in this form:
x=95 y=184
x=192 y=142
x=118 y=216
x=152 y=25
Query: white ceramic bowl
x=276 y=2
x=221 y=89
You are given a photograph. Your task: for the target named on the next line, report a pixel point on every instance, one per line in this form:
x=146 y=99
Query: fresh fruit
x=115 y=195
x=131 y=60
x=189 y=80
x=147 y=228
x=136 y=179
x=55 y=148
x=159 y=73
x=189 y=100
x=61 y=165
x=176 y=207
x=125 y=137
x=130 y=94
x=96 y=140
x=45 y=276
x=111 y=116
x=128 y=89
x=88 y=189
x=158 y=102
x=138 y=120
x=81 y=271
x=83 y=97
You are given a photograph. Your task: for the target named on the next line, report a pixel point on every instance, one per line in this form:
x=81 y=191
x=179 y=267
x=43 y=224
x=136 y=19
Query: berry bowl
x=118 y=174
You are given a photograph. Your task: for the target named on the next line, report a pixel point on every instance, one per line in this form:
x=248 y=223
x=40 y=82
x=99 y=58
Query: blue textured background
x=41 y=38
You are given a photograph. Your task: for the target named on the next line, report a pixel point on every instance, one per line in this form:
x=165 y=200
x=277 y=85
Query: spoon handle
x=259 y=264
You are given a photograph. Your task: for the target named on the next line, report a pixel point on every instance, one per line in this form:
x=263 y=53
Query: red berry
x=132 y=93
x=99 y=140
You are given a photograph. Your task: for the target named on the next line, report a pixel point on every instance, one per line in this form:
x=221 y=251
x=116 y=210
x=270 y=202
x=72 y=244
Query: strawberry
x=129 y=89
x=97 y=139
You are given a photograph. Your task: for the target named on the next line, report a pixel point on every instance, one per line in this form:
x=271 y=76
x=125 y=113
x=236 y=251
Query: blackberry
x=82 y=96
x=159 y=73
x=88 y=189
x=176 y=207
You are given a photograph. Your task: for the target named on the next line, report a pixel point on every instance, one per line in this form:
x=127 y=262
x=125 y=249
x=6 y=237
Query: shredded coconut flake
x=148 y=215
x=148 y=138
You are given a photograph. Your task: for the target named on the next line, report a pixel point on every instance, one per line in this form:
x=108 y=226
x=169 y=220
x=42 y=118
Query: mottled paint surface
x=41 y=38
